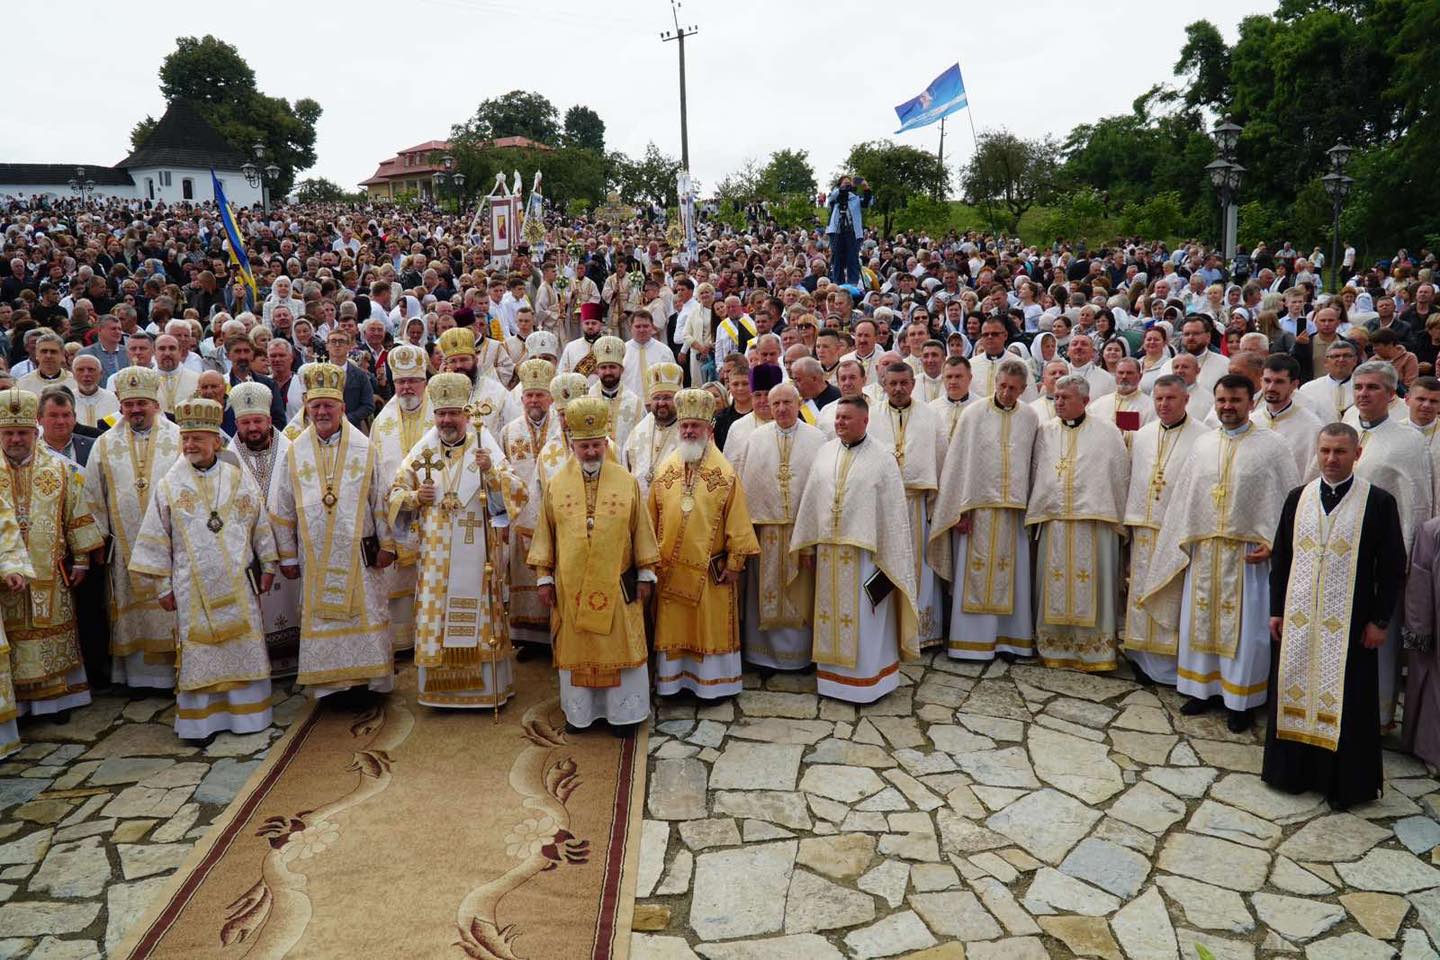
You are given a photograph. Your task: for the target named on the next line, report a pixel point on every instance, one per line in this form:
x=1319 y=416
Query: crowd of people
x=824 y=450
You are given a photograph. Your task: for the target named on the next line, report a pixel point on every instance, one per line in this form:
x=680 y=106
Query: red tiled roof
x=395 y=168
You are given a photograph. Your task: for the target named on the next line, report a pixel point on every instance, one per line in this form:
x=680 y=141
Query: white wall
x=61 y=190
x=237 y=191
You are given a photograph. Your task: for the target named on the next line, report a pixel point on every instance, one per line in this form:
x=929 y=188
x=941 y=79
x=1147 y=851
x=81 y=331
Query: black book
x=717 y=567
x=370 y=550
x=253 y=573
x=878 y=587
x=629 y=583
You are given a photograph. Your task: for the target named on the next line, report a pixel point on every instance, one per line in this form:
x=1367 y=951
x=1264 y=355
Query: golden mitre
x=568 y=386
x=663 y=378
x=694 y=405
x=609 y=349
x=536 y=374
x=136 y=383
x=448 y=391
x=587 y=418
x=406 y=362
x=457 y=342
x=323 y=381
x=18 y=408
x=200 y=415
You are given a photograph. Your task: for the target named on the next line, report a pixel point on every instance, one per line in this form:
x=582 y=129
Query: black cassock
x=1352 y=773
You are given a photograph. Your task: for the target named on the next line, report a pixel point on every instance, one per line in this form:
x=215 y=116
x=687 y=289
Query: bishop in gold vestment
x=703 y=525
x=535 y=449
x=55 y=525
x=626 y=408
x=125 y=464
x=15 y=570
x=207 y=524
x=594 y=555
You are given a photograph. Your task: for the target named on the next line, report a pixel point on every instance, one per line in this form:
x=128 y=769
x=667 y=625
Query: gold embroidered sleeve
x=82 y=533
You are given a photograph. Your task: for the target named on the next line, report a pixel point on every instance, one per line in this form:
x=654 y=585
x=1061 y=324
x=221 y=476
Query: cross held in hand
x=429 y=463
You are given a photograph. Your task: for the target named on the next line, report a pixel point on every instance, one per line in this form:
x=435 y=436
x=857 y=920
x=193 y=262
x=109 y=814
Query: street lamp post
x=1337 y=185
x=82 y=185
x=451 y=175
x=259 y=177
x=1225 y=175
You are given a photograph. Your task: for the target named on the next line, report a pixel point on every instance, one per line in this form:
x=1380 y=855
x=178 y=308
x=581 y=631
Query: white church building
x=172 y=166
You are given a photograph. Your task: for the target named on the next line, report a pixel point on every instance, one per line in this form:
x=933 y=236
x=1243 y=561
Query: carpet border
x=163 y=910
x=617 y=945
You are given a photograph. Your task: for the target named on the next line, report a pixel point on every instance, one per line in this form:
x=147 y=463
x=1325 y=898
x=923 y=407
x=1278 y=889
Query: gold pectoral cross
x=429 y=464
x=471 y=523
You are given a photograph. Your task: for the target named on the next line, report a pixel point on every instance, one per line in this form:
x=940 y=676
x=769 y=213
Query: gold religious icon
x=215 y=523
x=451 y=501
x=329 y=499
x=687 y=503
x=141 y=484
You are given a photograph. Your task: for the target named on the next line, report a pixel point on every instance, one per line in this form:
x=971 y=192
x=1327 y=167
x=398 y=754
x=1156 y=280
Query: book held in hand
x=878 y=587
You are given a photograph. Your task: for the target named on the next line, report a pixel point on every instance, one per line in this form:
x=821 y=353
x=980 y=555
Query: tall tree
x=1008 y=174
x=896 y=173
x=1205 y=64
x=519 y=113
x=212 y=75
x=584 y=129
x=651 y=179
x=788 y=173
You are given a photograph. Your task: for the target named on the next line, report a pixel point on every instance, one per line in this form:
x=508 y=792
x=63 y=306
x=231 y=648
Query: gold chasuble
x=1229 y=498
x=54 y=521
x=13 y=559
x=776 y=468
x=591 y=531
x=1318 y=606
x=851 y=508
x=534 y=451
x=699 y=513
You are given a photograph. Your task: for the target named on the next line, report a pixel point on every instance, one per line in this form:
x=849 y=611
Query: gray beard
x=590 y=467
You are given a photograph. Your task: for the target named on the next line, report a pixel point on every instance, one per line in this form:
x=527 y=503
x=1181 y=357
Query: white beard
x=692 y=450
x=590 y=467
x=410 y=404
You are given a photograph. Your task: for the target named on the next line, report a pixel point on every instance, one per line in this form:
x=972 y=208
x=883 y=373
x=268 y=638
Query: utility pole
x=679 y=34
x=941 y=157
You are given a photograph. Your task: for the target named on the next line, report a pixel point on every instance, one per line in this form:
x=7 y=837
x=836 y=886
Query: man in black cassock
x=1324 y=682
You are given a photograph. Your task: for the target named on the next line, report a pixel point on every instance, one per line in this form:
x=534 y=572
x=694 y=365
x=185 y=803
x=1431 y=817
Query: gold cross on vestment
x=1218 y=493
x=429 y=463
x=471 y=523
x=307 y=472
x=1062 y=467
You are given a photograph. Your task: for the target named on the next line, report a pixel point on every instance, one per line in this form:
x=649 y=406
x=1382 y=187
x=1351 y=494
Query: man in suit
x=57 y=426
x=359 y=388
x=240 y=351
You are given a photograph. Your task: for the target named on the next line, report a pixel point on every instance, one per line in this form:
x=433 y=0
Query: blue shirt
x=857 y=200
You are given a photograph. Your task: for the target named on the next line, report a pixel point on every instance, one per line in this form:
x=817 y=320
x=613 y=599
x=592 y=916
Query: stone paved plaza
x=995 y=813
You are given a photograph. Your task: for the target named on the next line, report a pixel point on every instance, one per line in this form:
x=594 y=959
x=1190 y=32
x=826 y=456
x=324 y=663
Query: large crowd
x=823 y=450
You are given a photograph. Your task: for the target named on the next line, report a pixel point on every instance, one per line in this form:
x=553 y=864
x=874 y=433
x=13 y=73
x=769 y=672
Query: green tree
x=1078 y=214
x=788 y=173
x=320 y=190
x=584 y=129
x=741 y=186
x=1010 y=174
x=212 y=75
x=650 y=179
x=896 y=173
x=519 y=113
x=1159 y=216
x=569 y=174
x=1205 y=65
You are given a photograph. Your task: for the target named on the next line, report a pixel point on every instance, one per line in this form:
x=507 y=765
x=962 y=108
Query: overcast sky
x=762 y=74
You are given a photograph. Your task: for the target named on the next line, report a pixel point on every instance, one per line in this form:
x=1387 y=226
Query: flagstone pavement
x=993 y=812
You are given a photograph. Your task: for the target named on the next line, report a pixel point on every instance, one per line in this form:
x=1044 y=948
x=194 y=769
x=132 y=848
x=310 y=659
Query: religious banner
x=685 y=190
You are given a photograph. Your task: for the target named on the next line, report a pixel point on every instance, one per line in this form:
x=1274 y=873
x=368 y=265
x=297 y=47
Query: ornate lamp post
x=1225 y=175
x=258 y=177
x=451 y=175
x=82 y=185
x=1337 y=185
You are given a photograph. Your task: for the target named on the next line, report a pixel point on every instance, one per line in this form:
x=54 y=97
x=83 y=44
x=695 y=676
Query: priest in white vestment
x=397 y=428
x=764 y=377
x=642 y=351
x=1281 y=412
x=206 y=541
x=534 y=447
x=978 y=540
x=16 y=571
x=1077 y=500
x=125 y=464
x=1044 y=404
x=1209 y=572
x=990 y=354
x=1201 y=401
x=1328 y=397
x=1195 y=335
x=1083 y=364
x=1159 y=453
x=779 y=591
x=451 y=490
x=1423 y=404
x=956 y=378
x=852 y=527
x=327 y=507
x=258 y=446
x=626 y=407
x=579 y=354
x=915 y=434
x=655 y=436
x=490 y=400
x=1125 y=406
x=94 y=405
x=850 y=381
x=176 y=382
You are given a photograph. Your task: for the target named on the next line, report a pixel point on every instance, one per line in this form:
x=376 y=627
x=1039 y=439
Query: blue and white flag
x=944 y=96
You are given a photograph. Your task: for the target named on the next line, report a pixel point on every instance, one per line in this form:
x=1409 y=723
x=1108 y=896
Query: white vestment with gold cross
x=648 y=445
x=121 y=474
x=492 y=403
x=14 y=559
x=394 y=433
x=327 y=499
x=534 y=451
x=280 y=606
x=462 y=644
x=779 y=592
x=1228 y=502
x=1077 y=502
x=626 y=411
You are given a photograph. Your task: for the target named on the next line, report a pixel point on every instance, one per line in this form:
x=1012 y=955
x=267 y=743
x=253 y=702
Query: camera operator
x=846 y=229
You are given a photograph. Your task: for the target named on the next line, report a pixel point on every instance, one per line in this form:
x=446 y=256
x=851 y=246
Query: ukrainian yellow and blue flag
x=237 y=249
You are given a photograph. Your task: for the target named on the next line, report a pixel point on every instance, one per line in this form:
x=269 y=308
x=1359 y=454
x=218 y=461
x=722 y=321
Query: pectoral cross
x=471 y=523
x=429 y=464
x=1062 y=467
x=1157 y=485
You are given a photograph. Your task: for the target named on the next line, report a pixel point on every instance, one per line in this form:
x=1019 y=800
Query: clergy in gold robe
x=206 y=541
x=853 y=528
x=15 y=570
x=1209 y=572
x=626 y=408
x=915 y=434
x=480 y=360
x=535 y=449
x=1158 y=455
x=657 y=434
x=1077 y=502
x=258 y=446
x=125 y=464
x=47 y=496
x=397 y=428
x=594 y=556
x=328 y=513
x=779 y=591
x=957 y=396
x=702 y=524
x=451 y=489
x=977 y=534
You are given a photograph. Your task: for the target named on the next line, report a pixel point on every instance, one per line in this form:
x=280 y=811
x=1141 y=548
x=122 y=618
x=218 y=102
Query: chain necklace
x=329 y=456
x=140 y=462
x=202 y=482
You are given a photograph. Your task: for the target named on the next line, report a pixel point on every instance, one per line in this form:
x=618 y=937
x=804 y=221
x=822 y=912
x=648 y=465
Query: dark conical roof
x=183 y=138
